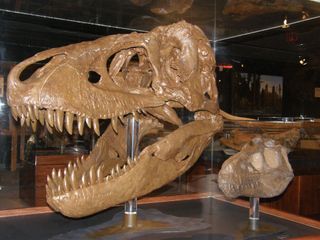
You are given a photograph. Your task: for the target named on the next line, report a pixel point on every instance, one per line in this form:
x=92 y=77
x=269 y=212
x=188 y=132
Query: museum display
x=147 y=75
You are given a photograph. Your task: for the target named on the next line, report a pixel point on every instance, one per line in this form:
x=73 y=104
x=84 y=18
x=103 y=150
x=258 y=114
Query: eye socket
x=94 y=77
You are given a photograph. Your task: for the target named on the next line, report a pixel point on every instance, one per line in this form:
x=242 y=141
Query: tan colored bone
x=260 y=169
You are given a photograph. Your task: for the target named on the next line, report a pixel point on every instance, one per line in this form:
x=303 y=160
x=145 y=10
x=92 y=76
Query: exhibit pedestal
x=130 y=207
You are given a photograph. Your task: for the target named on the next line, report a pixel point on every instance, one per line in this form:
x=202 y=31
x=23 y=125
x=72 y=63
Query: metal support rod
x=254 y=213
x=130 y=207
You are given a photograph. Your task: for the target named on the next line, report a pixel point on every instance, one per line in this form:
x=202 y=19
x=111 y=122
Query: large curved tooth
x=28 y=120
x=96 y=126
x=36 y=111
x=59 y=120
x=69 y=122
x=113 y=173
x=88 y=122
x=66 y=184
x=41 y=116
x=34 y=125
x=51 y=184
x=49 y=117
x=80 y=125
x=54 y=174
x=14 y=113
x=70 y=167
x=99 y=173
x=31 y=113
x=22 y=120
x=114 y=123
x=84 y=180
x=93 y=174
x=74 y=181
x=117 y=168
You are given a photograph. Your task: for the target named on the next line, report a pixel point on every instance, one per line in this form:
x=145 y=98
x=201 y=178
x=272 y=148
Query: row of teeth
x=57 y=119
x=73 y=177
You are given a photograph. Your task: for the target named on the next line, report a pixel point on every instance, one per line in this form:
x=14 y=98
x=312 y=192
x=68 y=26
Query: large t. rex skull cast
x=147 y=75
x=260 y=169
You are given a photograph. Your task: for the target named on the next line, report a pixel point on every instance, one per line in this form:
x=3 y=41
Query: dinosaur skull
x=261 y=169
x=147 y=75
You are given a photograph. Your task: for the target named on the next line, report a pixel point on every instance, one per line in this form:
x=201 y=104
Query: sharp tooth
x=88 y=121
x=82 y=159
x=65 y=171
x=58 y=120
x=59 y=174
x=96 y=126
x=31 y=113
x=70 y=168
x=34 y=125
x=36 y=112
x=66 y=184
x=80 y=125
x=28 y=120
x=114 y=123
x=74 y=181
x=50 y=182
x=124 y=168
x=69 y=122
x=112 y=172
x=93 y=174
x=78 y=163
x=117 y=168
x=83 y=180
x=49 y=128
x=108 y=178
x=130 y=163
x=24 y=110
x=49 y=117
x=22 y=120
x=54 y=174
x=14 y=113
x=41 y=116
x=99 y=173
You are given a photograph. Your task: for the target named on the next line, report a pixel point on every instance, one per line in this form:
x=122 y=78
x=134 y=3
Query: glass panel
x=267 y=68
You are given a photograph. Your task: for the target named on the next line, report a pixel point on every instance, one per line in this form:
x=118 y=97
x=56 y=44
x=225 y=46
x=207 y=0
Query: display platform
x=219 y=220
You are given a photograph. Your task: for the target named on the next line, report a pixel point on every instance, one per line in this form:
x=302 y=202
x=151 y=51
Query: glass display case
x=267 y=68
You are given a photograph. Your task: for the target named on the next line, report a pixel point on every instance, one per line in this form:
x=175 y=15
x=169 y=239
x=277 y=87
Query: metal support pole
x=254 y=213
x=130 y=207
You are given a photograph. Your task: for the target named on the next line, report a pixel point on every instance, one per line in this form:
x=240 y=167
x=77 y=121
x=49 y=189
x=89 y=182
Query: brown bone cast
x=144 y=74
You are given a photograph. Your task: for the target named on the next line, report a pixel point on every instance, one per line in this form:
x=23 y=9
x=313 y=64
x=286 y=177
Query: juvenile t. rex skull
x=260 y=169
x=146 y=74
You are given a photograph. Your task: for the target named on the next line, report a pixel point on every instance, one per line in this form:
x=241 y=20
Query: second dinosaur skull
x=260 y=169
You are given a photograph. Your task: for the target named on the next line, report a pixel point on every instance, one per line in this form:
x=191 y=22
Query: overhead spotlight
x=302 y=61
